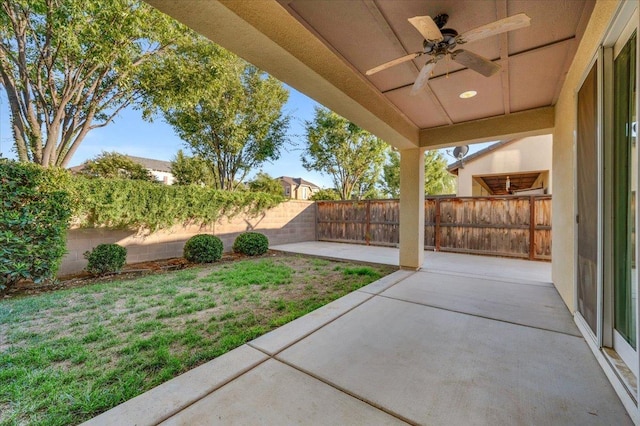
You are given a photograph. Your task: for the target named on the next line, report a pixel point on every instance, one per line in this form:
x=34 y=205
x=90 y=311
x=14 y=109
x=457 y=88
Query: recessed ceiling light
x=468 y=94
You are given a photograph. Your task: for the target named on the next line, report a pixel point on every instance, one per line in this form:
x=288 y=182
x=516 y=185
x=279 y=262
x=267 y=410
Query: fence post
x=532 y=227
x=437 y=227
x=316 y=210
x=367 y=235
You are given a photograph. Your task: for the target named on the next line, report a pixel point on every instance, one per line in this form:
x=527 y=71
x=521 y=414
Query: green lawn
x=69 y=355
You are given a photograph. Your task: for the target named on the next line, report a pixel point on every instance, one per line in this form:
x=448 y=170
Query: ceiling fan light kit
x=468 y=94
x=440 y=43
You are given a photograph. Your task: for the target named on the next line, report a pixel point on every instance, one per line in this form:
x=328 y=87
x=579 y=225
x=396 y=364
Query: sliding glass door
x=623 y=191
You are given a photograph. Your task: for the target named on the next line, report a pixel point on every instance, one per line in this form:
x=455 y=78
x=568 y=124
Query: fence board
x=500 y=226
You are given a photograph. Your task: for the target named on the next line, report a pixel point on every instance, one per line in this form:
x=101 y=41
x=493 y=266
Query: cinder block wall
x=290 y=222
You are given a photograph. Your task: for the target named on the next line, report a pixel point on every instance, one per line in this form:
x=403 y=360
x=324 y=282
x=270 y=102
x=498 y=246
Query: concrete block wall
x=290 y=222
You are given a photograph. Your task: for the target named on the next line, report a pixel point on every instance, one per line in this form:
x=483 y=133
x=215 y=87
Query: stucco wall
x=564 y=155
x=526 y=155
x=292 y=221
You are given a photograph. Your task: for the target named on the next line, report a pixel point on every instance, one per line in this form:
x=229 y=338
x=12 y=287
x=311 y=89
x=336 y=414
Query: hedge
x=120 y=203
x=134 y=204
x=33 y=222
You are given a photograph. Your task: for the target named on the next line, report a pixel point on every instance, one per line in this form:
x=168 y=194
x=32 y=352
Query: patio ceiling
x=323 y=48
x=496 y=184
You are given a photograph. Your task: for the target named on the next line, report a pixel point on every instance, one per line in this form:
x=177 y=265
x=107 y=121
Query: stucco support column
x=412 y=208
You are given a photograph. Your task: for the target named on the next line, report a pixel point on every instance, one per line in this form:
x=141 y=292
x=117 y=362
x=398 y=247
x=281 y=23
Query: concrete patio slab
x=372 y=254
x=171 y=397
x=444 y=368
x=454 y=263
x=276 y=394
x=488 y=266
x=531 y=305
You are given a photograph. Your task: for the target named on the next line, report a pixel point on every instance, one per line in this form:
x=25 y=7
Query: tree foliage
x=134 y=204
x=228 y=112
x=112 y=165
x=262 y=182
x=437 y=180
x=351 y=155
x=191 y=170
x=70 y=66
x=326 y=194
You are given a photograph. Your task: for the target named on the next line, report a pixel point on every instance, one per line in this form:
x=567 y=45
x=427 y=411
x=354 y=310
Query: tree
x=437 y=180
x=390 y=182
x=326 y=194
x=70 y=66
x=343 y=150
x=191 y=170
x=113 y=165
x=227 y=111
x=262 y=182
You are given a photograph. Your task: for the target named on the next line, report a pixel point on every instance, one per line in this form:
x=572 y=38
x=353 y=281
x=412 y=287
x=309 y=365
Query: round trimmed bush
x=203 y=248
x=106 y=259
x=251 y=243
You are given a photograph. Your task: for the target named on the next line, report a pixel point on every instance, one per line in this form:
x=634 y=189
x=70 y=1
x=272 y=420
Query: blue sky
x=129 y=134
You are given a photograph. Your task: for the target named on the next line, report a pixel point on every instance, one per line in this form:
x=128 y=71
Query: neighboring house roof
x=298 y=182
x=453 y=167
x=150 y=163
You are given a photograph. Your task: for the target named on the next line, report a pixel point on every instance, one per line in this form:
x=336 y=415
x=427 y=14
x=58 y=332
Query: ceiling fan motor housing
x=448 y=42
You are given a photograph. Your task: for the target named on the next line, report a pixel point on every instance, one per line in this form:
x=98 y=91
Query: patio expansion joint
x=393 y=284
x=531 y=283
x=479 y=316
x=347 y=392
x=211 y=391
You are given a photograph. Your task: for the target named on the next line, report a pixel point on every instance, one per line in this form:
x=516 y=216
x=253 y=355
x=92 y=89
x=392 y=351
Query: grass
x=69 y=355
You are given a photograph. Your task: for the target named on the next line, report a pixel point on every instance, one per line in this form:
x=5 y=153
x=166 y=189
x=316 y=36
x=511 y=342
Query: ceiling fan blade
x=475 y=62
x=423 y=77
x=426 y=27
x=511 y=23
x=396 y=61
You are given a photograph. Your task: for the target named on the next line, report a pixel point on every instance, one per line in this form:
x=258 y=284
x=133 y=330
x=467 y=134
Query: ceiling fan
x=441 y=42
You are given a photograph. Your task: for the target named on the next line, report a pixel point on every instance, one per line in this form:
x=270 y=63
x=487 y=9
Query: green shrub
x=203 y=248
x=33 y=222
x=106 y=259
x=251 y=243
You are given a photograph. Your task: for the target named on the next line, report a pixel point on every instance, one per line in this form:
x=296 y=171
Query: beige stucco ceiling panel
x=488 y=101
x=551 y=20
x=531 y=72
x=350 y=28
x=420 y=108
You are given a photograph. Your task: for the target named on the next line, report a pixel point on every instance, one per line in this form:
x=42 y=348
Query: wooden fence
x=512 y=226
